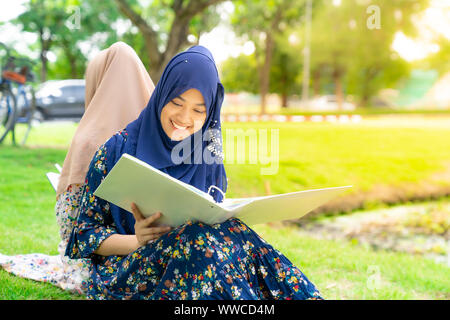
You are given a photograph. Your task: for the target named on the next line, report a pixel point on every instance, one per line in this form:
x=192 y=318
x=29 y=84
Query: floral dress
x=193 y=261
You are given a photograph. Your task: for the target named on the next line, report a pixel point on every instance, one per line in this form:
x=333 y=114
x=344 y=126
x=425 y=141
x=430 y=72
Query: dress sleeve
x=94 y=223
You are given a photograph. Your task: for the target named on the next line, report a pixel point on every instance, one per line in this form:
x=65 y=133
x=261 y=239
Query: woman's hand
x=142 y=228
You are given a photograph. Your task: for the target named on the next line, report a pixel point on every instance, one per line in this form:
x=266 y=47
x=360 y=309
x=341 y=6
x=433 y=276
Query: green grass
x=27 y=219
x=15 y=288
x=25 y=194
x=311 y=156
x=316 y=155
x=341 y=270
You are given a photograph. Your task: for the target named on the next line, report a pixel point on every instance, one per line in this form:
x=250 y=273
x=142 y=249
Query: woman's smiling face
x=183 y=115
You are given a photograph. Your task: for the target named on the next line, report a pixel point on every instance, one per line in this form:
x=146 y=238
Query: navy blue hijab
x=199 y=157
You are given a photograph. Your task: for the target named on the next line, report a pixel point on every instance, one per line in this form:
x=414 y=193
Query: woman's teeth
x=177 y=126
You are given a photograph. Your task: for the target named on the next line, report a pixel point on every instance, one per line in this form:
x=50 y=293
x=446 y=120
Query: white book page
x=286 y=206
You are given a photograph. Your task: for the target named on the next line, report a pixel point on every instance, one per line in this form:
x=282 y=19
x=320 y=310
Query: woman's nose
x=183 y=118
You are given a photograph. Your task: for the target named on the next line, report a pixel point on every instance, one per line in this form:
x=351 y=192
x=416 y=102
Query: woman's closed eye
x=180 y=105
x=177 y=104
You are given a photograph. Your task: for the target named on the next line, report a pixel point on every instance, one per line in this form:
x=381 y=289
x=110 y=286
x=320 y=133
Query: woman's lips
x=176 y=126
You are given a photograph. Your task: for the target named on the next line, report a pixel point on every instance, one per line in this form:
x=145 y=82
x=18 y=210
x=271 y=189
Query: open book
x=132 y=180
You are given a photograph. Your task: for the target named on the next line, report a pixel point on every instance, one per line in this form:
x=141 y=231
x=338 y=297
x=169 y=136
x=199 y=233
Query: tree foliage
x=241 y=73
x=348 y=56
x=357 y=57
x=262 y=22
x=166 y=24
x=158 y=29
x=46 y=19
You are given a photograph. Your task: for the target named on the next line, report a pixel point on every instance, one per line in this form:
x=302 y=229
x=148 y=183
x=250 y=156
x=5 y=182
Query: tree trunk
x=177 y=38
x=265 y=72
x=316 y=82
x=337 y=77
x=44 y=66
x=45 y=46
x=73 y=66
x=367 y=91
x=365 y=95
x=71 y=56
x=155 y=65
x=284 y=99
x=284 y=89
x=364 y=101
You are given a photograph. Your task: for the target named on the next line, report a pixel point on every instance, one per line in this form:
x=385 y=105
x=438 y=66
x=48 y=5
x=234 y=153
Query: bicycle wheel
x=8 y=112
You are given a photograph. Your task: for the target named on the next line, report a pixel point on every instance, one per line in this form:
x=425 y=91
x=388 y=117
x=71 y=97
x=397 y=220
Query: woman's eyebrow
x=198 y=104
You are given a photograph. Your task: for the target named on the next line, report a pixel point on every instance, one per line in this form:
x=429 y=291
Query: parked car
x=60 y=99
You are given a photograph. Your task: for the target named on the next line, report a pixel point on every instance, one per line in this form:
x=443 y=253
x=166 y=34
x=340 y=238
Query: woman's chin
x=178 y=135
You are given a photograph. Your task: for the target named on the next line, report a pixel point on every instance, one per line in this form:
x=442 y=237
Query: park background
x=382 y=66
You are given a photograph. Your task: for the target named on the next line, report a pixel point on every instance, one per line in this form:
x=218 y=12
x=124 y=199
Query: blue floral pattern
x=193 y=261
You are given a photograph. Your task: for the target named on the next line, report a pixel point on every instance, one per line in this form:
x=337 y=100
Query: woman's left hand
x=145 y=233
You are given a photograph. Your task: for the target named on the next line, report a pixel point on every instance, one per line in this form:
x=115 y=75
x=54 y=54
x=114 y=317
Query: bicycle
x=15 y=73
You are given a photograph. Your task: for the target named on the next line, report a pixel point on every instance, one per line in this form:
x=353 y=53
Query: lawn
x=318 y=155
x=311 y=156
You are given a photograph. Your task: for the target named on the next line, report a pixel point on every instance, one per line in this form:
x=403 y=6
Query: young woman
x=131 y=258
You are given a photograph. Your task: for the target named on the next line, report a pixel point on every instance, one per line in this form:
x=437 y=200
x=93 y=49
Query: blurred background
x=358 y=89
x=321 y=55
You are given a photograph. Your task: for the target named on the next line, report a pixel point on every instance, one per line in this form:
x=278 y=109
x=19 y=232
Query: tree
x=86 y=20
x=166 y=24
x=286 y=67
x=350 y=52
x=440 y=60
x=262 y=22
x=60 y=26
x=46 y=19
x=238 y=74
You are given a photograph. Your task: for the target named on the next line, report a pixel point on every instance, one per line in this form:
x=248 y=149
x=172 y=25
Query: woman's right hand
x=145 y=233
